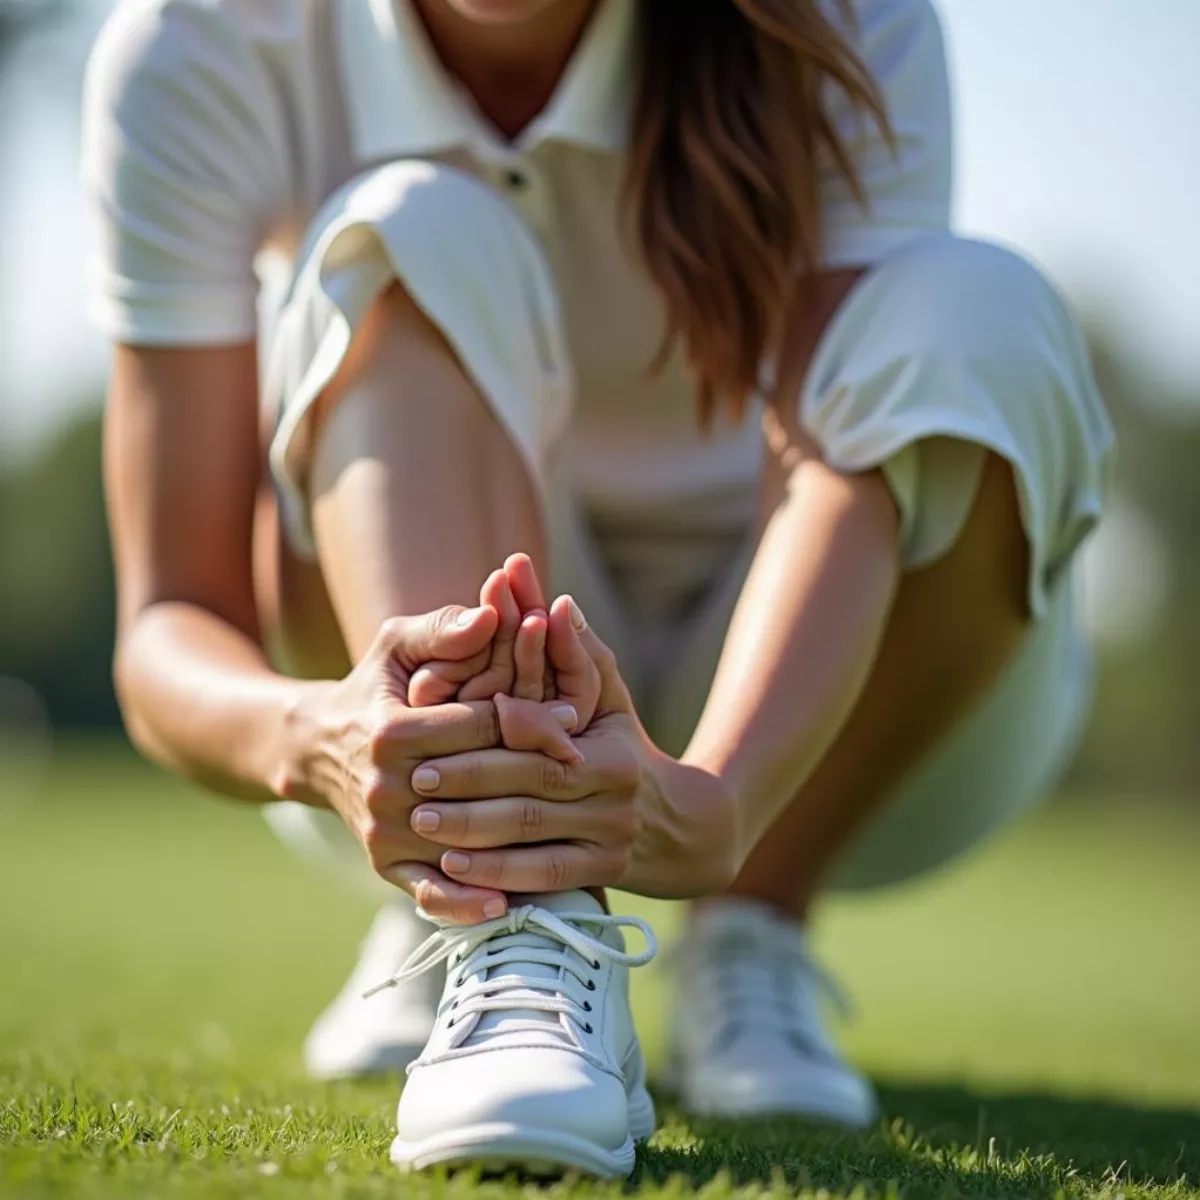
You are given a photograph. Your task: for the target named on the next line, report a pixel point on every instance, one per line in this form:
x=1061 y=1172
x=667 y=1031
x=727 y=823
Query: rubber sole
x=816 y=1103
x=497 y=1148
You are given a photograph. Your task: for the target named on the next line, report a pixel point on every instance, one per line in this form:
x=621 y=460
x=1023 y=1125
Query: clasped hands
x=480 y=753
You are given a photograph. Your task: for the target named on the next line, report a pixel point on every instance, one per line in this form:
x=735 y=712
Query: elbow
x=131 y=702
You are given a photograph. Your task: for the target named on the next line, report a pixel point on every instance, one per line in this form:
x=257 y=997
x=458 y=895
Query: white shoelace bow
x=520 y=937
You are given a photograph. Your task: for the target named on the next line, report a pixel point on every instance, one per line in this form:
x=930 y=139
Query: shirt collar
x=401 y=103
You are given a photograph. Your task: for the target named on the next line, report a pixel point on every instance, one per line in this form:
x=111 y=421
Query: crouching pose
x=651 y=304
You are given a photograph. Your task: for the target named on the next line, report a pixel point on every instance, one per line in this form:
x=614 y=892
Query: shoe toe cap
x=532 y=1089
x=829 y=1091
x=340 y=1047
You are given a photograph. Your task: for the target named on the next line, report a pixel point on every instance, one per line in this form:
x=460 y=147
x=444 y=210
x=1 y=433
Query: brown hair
x=730 y=133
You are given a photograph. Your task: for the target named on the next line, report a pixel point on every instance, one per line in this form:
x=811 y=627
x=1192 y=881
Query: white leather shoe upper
x=354 y=1036
x=533 y=1041
x=749 y=1038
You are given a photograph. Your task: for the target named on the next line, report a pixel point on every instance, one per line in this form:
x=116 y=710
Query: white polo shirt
x=214 y=129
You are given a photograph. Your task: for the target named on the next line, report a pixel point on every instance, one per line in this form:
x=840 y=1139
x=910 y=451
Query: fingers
x=523 y=579
x=529 y=657
x=415 y=734
x=460 y=904
x=614 y=695
x=525 y=725
x=610 y=765
x=439 y=682
x=452 y=633
x=519 y=820
x=577 y=677
x=558 y=867
x=497 y=676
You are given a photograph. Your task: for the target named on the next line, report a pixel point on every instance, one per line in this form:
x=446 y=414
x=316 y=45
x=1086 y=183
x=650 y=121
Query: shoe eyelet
x=587 y=1006
x=596 y=965
x=591 y=985
x=587 y=1029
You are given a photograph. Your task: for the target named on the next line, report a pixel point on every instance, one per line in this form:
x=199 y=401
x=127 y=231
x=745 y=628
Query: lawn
x=1032 y=1017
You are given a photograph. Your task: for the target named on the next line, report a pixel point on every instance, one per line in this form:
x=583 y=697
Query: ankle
x=786 y=905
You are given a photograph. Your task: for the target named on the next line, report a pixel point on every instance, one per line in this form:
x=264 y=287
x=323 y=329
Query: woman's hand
x=357 y=744
x=627 y=815
x=529 y=659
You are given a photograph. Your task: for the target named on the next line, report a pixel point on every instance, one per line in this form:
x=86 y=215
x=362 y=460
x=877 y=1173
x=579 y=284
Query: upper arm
x=182 y=464
x=184 y=168
x=907 y=185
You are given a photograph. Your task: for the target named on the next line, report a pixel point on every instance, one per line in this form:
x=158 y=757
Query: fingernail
x=456 y=862
x=426 y=779
x=425 y=820
x=577 y=617
x=566 y=716
x=494 y=908
x=466 y=617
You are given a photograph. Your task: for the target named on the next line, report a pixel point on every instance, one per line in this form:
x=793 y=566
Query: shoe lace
x=525 y=935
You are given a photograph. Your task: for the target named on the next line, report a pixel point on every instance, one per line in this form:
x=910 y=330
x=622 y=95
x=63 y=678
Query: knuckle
x=605 y=659
x=557 y=871
x=376 y=796
x=388 y=734
x=488 y=870
x=487 y=724
x=391 y=631
x=374 y=838
x=426 y=896
x=532 y=821
x=625 y=773
x=555 y=777
x=443 y=618
x=467 y=777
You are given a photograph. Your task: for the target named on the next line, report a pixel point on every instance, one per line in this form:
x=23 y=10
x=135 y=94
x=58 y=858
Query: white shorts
x=942 y=352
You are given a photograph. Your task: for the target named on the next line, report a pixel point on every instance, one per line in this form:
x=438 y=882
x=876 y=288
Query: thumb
x=586 y=670
x=449 y=634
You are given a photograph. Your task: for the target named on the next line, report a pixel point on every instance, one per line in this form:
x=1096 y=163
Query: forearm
x=200 y=698
x=803 y=637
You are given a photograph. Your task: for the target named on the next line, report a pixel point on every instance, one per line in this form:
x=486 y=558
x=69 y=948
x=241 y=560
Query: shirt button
x=515 y=181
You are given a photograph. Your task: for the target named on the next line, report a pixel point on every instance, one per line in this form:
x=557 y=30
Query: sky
x=1078 y=129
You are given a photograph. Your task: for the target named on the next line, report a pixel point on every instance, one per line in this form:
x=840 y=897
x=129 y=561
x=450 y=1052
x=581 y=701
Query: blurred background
x=1077 y=126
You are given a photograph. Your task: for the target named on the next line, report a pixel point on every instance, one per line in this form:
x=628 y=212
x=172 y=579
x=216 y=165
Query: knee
x=418 y=213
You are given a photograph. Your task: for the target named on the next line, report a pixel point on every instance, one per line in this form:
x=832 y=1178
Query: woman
x=858 y=473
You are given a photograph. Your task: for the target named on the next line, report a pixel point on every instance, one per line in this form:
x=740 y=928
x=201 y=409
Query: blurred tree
x=56 y=582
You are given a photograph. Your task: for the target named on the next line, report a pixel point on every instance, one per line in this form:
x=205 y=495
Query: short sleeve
x=949 y=350
x=184 y=166
x=907 y=184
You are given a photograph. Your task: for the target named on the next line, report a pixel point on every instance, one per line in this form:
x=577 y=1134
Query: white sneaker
x=749 y=1040
x=533 y=1062
x=354 y=1037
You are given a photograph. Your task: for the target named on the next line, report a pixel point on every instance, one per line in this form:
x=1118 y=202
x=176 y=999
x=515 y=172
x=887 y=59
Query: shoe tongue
x=513 y=1019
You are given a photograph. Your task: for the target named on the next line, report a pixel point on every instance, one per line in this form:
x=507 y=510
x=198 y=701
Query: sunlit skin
x=829 y=641
x=509 y=54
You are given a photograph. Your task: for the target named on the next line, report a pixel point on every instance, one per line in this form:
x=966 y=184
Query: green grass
x=1032 y=1018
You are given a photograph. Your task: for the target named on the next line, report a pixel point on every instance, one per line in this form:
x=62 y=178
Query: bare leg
x=953 y=627
x=417 y=491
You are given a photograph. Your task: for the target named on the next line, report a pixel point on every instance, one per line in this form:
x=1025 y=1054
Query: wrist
x=702 y=802
x=295 y=772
